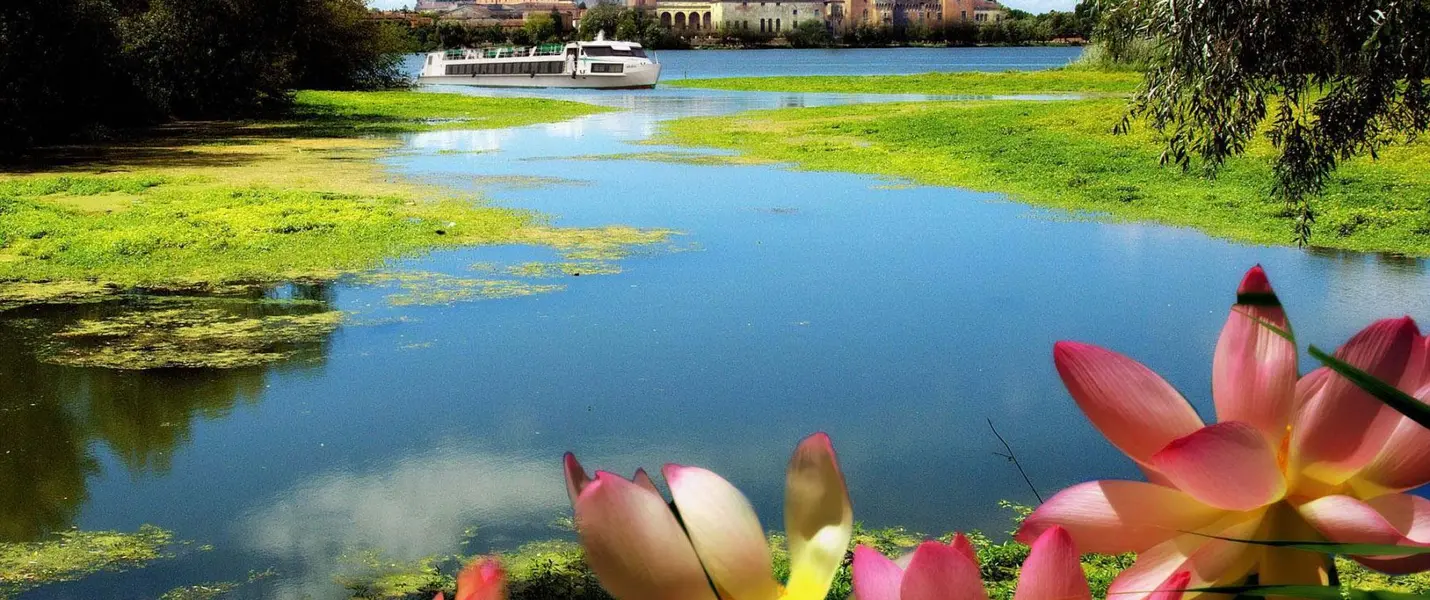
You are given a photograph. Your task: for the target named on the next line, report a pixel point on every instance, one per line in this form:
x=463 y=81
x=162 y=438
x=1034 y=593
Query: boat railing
x=505 y=52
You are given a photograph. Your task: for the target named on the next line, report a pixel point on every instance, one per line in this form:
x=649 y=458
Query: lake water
x=897 y=318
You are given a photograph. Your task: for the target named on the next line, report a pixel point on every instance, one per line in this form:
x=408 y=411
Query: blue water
x=897 y=318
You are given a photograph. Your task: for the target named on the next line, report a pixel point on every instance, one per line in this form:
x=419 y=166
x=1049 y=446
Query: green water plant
x=72 y=555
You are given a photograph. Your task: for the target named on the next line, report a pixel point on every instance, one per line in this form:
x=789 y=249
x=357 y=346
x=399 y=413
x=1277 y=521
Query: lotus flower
x=639 y=550
x=1051 y=572
x=1289 y=459
x=481 y=580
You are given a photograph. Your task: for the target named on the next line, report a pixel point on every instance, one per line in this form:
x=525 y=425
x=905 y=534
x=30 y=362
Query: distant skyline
x=1032 y=6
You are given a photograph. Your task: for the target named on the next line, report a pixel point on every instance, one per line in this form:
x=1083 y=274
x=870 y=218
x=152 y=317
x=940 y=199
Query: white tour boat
x=602 y=63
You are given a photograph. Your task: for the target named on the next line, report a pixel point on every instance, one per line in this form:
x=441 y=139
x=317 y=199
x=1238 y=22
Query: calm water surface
x=896 y=318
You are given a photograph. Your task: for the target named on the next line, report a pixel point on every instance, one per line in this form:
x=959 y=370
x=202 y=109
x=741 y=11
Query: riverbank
x=1063 y=155
x=202 y=206
x=557 y=570
x=966 y=83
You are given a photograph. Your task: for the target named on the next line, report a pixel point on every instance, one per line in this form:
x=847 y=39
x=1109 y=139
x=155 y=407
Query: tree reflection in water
x=50 y=414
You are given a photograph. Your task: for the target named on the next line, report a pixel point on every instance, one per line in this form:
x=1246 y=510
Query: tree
x=540 y=28
x=1325 y=80
x=810 y=33
x=604 y=16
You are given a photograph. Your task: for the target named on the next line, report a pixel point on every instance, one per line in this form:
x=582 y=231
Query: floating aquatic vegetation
x=370 y=575
x=526 y=181
x=215 y=589
x=202 y=591
x=680 y=158
x=425 y=288
x=564 y=269
x=593 y=243
x=24 y=293
x=75 y=554
x=191 y=333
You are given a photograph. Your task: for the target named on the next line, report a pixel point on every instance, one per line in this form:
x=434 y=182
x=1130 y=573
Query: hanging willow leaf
x=1328 y=547
x=1402 y=402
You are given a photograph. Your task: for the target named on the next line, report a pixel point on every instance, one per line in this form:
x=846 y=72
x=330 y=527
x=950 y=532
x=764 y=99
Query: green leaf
x=1400 y=401
x=1329 y=547
x=1311 y=592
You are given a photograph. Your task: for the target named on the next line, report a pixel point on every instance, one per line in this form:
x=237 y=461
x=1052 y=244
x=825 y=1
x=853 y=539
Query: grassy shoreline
x=1062 y=154
x=964 y=83
x=557 y=570
x=200 y=206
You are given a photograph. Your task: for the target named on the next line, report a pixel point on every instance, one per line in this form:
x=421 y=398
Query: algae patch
x=563 y=269
x=679 y=158
x=191 y=333
x=24 y=293
x=426 y=288
x=371 y=575
x=75 y=554
x=593 y=243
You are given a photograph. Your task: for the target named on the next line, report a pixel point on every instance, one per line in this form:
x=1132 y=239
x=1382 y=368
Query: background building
x=778 y=16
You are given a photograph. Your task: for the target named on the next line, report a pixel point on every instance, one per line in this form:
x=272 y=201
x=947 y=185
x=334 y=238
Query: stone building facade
x=777 y=16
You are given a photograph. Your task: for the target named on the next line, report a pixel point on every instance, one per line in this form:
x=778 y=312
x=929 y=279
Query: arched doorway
x=665 y=20
x=680 y=20
x=707 y=21
x=694 y=20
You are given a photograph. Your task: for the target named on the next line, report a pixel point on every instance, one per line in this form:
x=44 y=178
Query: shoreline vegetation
x=960 y=83
x=181 y=231
x=1063 y=154
x=206 y=206
x=553 y=569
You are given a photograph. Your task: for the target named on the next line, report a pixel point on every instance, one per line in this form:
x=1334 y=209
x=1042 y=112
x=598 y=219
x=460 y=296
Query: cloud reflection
x=417 y=507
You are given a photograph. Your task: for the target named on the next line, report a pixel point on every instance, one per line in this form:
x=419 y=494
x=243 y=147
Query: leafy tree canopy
x=1325 y=80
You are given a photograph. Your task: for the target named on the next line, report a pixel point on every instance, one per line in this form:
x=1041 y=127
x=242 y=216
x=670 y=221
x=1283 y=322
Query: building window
x=796 y=12
x=777 y=24
x=762 y=25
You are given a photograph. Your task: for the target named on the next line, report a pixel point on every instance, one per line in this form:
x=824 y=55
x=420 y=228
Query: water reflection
x=54 y=417
x=409 y=508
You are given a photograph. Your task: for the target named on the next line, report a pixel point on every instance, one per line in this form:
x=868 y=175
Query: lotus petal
x=1173 y=588
x=1394 y=519
x=1254 y=368
x=725 y=532
x=1053 y=570
x=1133 y=407
x=1206 y=561
x=1227 y=465
x=819 y=519
x=941 y=572
x=1112 y=517
x=482 y=580
x=875 y=576
x=576 y=477
x=1342 y=428
x=634 y=544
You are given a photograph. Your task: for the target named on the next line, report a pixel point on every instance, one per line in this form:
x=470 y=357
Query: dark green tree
x=1323 y=80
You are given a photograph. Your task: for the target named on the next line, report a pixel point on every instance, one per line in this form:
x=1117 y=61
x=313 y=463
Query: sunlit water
x=899 y=319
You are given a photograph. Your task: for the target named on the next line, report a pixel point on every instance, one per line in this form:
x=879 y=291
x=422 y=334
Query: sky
x=1032 y=6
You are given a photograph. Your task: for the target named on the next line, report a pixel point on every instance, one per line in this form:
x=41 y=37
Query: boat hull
x=635 y=78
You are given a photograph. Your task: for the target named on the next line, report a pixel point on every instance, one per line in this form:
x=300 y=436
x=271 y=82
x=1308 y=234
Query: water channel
x=897 y=318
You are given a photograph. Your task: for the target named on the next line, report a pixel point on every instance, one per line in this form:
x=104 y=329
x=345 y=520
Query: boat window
x=598 y=50
x=607 y=68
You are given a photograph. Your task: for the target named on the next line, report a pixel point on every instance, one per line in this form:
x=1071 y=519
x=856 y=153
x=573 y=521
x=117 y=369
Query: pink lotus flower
x=1289 y=459
x=937 y=571
x=481 y=580
x=640 y=551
